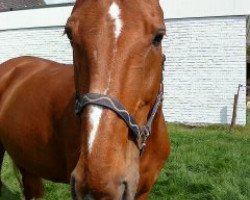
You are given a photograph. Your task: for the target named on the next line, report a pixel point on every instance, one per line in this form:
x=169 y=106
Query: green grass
x=12 y=188
x=205 y=163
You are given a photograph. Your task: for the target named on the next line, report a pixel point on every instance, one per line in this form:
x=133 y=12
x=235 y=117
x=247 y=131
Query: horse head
x=117 y=53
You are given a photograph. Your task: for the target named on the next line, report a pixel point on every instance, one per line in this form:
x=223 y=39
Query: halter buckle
x=78 y=107
x=145 y=132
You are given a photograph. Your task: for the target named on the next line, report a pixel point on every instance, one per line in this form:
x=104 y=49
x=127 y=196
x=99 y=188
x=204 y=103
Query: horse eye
x=68 y=32
x=157 y=39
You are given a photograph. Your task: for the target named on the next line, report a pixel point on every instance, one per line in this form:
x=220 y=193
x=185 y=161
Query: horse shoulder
x=34 y=82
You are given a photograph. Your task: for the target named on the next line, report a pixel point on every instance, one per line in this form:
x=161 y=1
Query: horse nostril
x=125 y=190
x=72 y=187
x=89 y=197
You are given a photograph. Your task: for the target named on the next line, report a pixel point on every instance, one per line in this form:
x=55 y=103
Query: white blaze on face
x=115 y=13
x=95 y=114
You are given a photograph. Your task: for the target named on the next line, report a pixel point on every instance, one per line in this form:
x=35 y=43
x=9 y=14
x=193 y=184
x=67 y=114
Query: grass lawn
x=205 y=163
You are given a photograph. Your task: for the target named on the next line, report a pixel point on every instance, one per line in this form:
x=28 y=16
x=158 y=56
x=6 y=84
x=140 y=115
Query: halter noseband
x=139 y=133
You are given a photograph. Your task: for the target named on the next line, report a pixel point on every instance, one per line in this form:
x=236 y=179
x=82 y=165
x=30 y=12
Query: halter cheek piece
x=139 y=133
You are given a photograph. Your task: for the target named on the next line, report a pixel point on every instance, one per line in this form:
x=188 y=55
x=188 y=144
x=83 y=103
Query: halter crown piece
x=139 y=133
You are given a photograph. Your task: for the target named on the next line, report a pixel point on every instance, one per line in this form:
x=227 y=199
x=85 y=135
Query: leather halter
x=140 y=134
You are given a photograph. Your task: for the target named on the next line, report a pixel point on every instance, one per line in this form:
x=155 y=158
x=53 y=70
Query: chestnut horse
x=117 y=54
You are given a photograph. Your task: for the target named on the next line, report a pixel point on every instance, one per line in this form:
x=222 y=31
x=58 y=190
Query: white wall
x=47 y=43
x=204 y=8
x=248 y=30
x=57 y=16
x=44 y=17
x=205 y=62
x=205 y=59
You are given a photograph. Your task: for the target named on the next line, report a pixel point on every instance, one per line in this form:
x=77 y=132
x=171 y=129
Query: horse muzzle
x=121 y=193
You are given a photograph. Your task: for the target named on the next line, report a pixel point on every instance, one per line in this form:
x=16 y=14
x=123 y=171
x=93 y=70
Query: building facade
x=205 y=49
x=206 y=61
